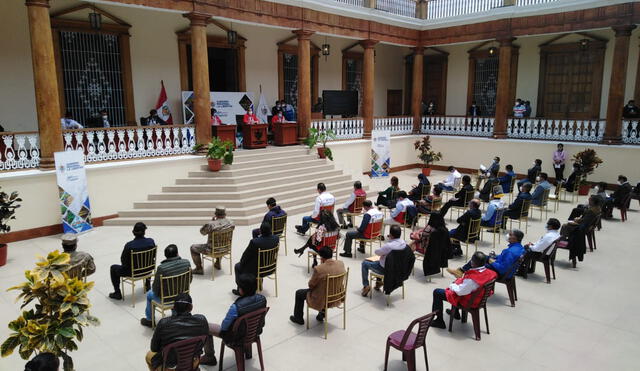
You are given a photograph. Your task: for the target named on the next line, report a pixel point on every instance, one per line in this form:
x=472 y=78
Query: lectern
x=285 y=134
x=254 y=136
x=225 y=132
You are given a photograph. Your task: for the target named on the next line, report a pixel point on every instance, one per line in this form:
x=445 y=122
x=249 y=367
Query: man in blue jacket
x=505 y=180
x=275 y=211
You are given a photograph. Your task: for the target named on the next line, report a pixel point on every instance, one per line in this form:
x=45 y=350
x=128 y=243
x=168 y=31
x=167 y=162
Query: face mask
x=104 y=117
x=537 y=179
x=506 y=236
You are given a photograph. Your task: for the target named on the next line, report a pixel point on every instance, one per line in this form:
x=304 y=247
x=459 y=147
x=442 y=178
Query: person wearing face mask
x=620 y=195
x=277 y=107
x=100 y=121
x=474 y=110
x=68 y=123
x=532 y=173
x=431 y=108
x=574 y=177
x=448 y=183
x=505 y=180
x=279 y=118
x=154 y=119
x=543 y=185
x=250 y=118
x=519 y=109
x=535 y=250
x=631 y=111
x=288 y=111
x=559 y=158
x=515 y=209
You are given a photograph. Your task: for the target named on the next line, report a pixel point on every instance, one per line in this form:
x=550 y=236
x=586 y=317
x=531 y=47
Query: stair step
x=249 y=155
x=265 y=162
x=254 y=188
x=229 y=171
x=249 y=181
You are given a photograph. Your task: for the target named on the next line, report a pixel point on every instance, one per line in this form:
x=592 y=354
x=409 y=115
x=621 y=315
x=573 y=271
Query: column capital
x=368 y=43
x=303 y=34
x=505 y=40
x=418 y=50
x=198 y=18
x=42 y=3
x=623 y=30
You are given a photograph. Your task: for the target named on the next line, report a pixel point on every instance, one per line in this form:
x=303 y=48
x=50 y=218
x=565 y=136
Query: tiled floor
x=583 y=320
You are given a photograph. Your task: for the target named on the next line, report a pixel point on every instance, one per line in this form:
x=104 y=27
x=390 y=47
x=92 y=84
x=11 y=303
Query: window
x=352 y=73
x=483 y=79
x=288 y=74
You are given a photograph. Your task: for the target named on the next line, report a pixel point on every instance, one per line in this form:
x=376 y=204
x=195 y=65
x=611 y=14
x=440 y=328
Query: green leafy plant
x=8 y=206
x=55 y=323
x=425 y=153
x=218 y=149
x=321 y=136
x=588 y=161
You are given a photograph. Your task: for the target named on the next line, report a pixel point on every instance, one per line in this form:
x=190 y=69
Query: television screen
x=340 y=102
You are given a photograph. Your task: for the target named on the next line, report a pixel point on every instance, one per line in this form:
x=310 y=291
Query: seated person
x=138 y=244
x=605 y=200
x=448 y=183
x=323 y=200
x=461 y=232
x=397 y=216
x=69 y=245
x=532 y=173
x=459 y=292
x=489 y=217
x=248 y=263
x=349 y=205
x=370 y=215
x=485 y=193
x=181 y=325
x=536 y=196
x=535 y=250
x=575 y=230
x=493 y=168
x=68 y=123
x=315 y=295
x=394 y=242
x=219 y=222
x=274 y=212
x=515 y=209
x=154 y=119
x=388 y=197
x=327 y=226
x=425 y=206
x=215 y=119
x=43 y=361
x=505 y=180
x=573 y=178
x=278 y=118
x=458 y=199
x=416 y=191
x=101 y=120
x=171 y=266
x=250 y=118
x=620 y=194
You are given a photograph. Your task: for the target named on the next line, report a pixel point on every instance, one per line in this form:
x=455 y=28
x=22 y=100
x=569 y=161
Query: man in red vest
x=350 y=204
x=460 y=292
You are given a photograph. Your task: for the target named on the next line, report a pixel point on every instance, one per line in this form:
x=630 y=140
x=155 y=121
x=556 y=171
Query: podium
x=225 y=132
x=254 y=136
x=285 y=134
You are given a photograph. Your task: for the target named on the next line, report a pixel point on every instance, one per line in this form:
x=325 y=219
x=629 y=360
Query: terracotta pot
x=426 y=171
x=3 y=254
x=584 y=190
x=321 y=152
x=215 y=164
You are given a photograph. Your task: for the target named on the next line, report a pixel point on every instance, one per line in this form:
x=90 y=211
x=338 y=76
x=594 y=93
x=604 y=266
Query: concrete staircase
x=287 y=173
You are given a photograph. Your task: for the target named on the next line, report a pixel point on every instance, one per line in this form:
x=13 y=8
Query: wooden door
x=394 y=102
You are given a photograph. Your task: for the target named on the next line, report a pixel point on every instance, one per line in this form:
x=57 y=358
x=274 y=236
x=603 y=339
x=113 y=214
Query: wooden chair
x=315 y=223
x=336 y=292
x=435 y=206
x=475 y=311
x=357 y=209
x=376 y=232
x=268 y=266
x=380 y=278
x=143 y=267
x=425 y=191
x=183 y=355
x=456 y=187
x=329 y=239
x=77 y=271
x=279 y=228
x=385 y=208
x=496 y=226
x=250 y=325
x=170 y=287
x=574 y=192
x=220 y=248
x=544 y=201
x=468 y=196
x=555 y=196
x=472 y=236
x=524 y=216
x=407 y=341
x=511 y=281
x=511 y=187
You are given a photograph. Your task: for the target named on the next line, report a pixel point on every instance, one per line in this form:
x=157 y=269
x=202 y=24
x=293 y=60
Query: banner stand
x=73 y=193
x=380 y=153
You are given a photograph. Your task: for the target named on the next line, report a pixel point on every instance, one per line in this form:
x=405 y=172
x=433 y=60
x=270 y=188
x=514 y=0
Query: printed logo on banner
x=72 y=190
x=227 y=105
x=380 y=154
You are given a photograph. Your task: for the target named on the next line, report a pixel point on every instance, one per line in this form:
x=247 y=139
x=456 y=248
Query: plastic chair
x=183 y=355
x=170 y=287
x=407 y=341
x=268 y=267
x=524 y=216
x=251 y=324
x=376 y=231
x=336 y=293
x=220 y=248
x=475 y=311
x=143 y=266
x=624 y=206
x=279 y=228
x=496 y=226
x=329 y=239
x=544 y=201
x=472 y=236
x=548 y=259
x=511 y=281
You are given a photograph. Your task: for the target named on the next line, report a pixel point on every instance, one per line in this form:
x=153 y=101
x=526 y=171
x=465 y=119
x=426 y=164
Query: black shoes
x=320 y=317
x=299 y=230
x=299 y=251
x=235 y=292
x=145 y=322
x=456 y=314
x=346 y=255
x=208 y=361
x=438 y=323
x=361 y=250
x=116 y=295
x=296 y=320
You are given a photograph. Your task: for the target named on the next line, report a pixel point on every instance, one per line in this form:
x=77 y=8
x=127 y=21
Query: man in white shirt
x=68 y=123
x=489 y=217
x=448 y=183
x=323 y=200
x=397 y=216
x=394 y=242
x=535 y=250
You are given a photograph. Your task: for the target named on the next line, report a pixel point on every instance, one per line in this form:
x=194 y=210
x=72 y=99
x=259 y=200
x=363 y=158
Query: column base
x=500 y=135
x=366 y=136
x=47 y=163
x=612 y=140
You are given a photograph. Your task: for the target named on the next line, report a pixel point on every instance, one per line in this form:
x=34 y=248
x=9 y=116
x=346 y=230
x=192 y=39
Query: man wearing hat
x=139 y=243
x=489 y=217
x=218 y=223
x=69 y=245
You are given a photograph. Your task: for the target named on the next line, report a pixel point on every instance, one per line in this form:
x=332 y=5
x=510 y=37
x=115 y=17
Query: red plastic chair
x=475 y=311
x=407 y=341
x=624 y=206
x=252 y=323
x=183 y=355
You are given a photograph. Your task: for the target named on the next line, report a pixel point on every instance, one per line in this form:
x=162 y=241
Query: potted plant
x=219 y=151
x=8 y=206
x=55 y=323
x=321 y=136
x=426 y=154
x=588 y=161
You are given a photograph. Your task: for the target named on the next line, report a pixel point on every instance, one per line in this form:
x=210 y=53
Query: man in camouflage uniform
x=69 y=245
x=218 y=223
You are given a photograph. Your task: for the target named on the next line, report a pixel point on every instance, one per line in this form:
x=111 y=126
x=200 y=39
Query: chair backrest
x=423 y=323
x=357 y=204
x=279 y=225
x=251 y=325
x=556 y=192
x=329 y=208
x=468 y=196
x=474 y=229
x=513 y=184
x=456 y=183
x=183 y=355
x=499 y=217
x=436 y=204
x=545 y=197
x=330 y=239
x=267 y=261
x=486 y=292
x=524 y=211
x=336 y=288
x=512 y=269
x=426 y=189
x=551 y=250
x=77 y=271
x=626 y=202
x=172 y=286
x=221 y=240
x=143 y=262
x=374 y=230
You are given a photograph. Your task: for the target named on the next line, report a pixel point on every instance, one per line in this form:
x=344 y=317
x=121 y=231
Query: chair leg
x=475 y=318
x=510 y=292
x=308 y=316
x=547 y=273
x=239 y=358
x=411 y=360
x=221 y=356
x=553 y=270
x=133 y=294
x=259 y=345
x=486 y=318
x=515 y=288
x=426 y=360
x=386 y=355
x=451 y=318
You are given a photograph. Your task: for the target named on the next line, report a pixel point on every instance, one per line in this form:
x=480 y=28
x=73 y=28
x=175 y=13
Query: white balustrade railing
x=451 y=8
x=397 y=125
x=458 y=125
x=19 y=151
x=352 y=2
x=130 y=142
x=556 y=129
x=349 y=128
x=405 y=8
x=533 y=2
x=631 y=131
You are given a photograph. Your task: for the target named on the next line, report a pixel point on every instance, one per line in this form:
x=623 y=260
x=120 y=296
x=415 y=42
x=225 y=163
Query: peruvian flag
x=162 y=105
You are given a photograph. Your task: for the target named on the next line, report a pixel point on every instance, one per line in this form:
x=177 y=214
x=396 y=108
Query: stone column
x=45 y=81
x=422 y=9
x=368 y=88
x=503 y=104
x=416 y=87
x=613 y=131
x=304 y=83
x=200 y=76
